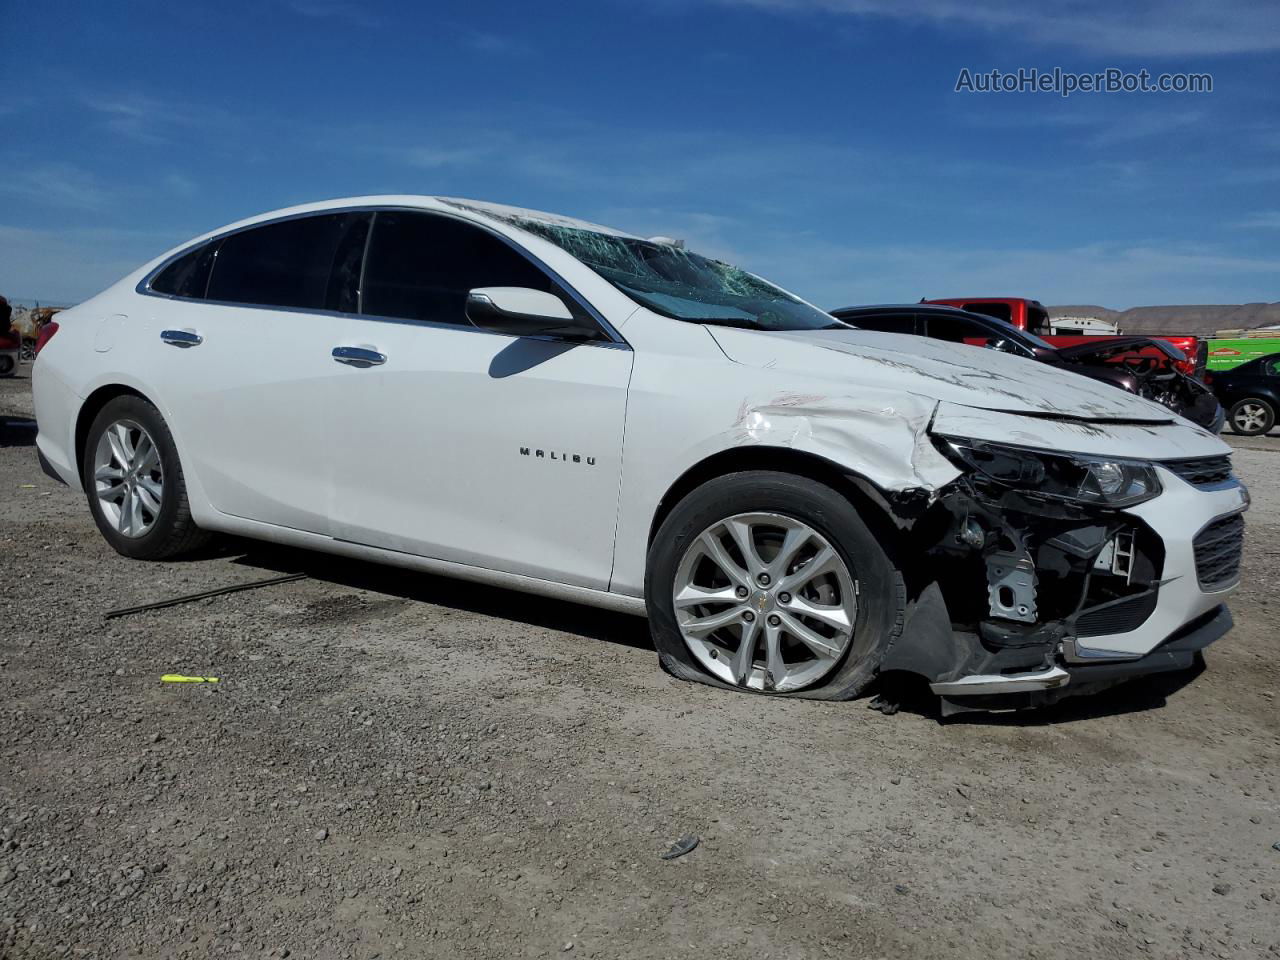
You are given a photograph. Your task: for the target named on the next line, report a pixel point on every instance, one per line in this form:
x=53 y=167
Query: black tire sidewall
x=1265 y=404
x=881 y=594
x=156 y=541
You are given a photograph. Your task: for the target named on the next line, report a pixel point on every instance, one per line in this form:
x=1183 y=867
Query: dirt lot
x=395 y=765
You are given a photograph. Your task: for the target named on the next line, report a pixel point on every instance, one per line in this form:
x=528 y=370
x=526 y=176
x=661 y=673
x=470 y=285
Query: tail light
x=45 y=335
x=1208 y=379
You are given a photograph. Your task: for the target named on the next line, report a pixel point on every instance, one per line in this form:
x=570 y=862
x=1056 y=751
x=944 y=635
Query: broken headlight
x=1105 y=481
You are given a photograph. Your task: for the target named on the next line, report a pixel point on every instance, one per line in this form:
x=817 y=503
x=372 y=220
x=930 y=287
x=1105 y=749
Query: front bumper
x=1159 y=629
x=1042 y=687
x=1178 y=516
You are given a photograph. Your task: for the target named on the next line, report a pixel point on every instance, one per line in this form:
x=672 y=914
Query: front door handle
x=181 y=338
x=359 y=356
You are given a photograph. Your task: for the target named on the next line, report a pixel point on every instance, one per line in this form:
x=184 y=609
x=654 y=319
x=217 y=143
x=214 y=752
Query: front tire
x=134 y=482
x=1251 y=417
x=772 y=583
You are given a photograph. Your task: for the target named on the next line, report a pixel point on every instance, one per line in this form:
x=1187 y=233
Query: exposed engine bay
x=1026 y=557
x=1149 y=368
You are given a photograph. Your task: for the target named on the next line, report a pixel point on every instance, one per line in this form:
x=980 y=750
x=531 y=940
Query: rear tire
x=1251 y=417
x=135 y=485
x=785 y=636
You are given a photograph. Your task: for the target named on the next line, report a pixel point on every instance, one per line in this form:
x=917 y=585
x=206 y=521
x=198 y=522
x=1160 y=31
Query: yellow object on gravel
x=179 y=678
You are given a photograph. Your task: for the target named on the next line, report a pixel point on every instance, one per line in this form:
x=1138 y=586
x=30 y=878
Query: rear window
x=1037 y=320
x=188 y=276
x=956 y=329
x=305 y=263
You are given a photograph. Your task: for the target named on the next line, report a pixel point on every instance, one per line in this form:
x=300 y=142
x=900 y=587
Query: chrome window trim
x=615 y=341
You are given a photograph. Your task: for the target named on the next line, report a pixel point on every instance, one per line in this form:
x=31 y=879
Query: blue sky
x=818 y=142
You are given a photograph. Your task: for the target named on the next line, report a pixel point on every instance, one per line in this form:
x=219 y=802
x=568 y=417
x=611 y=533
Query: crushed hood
x=949 y=372
x=1085 y=351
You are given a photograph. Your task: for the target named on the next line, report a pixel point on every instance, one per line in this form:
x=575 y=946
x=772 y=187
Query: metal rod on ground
x=191 y=598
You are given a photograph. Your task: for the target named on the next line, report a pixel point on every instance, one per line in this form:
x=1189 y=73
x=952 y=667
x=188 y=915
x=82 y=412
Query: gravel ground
x=396 y=765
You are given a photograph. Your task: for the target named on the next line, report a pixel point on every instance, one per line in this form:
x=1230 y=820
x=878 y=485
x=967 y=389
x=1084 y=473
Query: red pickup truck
x=1031 y=316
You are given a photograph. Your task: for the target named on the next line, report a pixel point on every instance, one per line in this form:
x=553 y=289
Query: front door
x=463 y=445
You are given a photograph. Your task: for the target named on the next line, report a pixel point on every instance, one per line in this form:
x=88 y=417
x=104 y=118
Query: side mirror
x=998 y=343
x=524 y=312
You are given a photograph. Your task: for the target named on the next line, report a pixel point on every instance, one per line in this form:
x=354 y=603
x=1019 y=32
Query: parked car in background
x=1139 y=365
x=1250 y=393
x=30 y=326
x=10 y=343
x=445 y=385
x=1031 y=316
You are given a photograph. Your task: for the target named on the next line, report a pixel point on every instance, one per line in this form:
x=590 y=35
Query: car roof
x=937 y=308
x=473 y=209
x=989 y=299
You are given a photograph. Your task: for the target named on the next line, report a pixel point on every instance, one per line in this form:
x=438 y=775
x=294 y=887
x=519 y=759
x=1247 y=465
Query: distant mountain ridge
x=1202 y=319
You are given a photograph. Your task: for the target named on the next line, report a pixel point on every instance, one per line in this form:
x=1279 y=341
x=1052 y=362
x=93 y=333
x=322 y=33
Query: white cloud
x=67 y=266
x=180 y=185
x=1140 y=126
x=1158 y=28
x=495 y=44
x=334 y=10
x=1264 y=220
x=436 y=158
x=1116 y=275
x=56 y=185
x=150 y=120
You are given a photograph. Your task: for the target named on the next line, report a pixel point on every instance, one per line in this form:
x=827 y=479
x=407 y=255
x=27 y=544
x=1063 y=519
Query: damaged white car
x=544 y=404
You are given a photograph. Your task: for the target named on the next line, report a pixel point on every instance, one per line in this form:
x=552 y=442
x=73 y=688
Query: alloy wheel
x=1250 y=417
x=765 y=601
x=128 y=478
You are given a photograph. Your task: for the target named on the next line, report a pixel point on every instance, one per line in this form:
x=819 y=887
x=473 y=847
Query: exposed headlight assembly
x=1104 y=481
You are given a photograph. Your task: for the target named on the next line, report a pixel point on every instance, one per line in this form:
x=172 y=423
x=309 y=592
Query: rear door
x=241 y=351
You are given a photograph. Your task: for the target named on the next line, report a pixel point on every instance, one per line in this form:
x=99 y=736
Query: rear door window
x=957 y=330
x=422 y=266
x=885 y=322
x=188 y=275
x=310 y=263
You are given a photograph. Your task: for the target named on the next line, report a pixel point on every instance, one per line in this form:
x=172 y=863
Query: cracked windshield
x=674 y=282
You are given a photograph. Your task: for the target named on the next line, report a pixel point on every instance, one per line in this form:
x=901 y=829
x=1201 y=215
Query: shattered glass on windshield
x=674 y=282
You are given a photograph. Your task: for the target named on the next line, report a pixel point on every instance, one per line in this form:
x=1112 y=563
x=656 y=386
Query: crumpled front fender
x=878 y=435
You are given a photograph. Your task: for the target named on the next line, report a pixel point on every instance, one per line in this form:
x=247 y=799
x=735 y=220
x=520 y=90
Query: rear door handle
x=359 y=356
x=181 y=338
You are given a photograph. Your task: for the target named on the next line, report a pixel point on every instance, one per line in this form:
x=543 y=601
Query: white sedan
x=548 y=405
